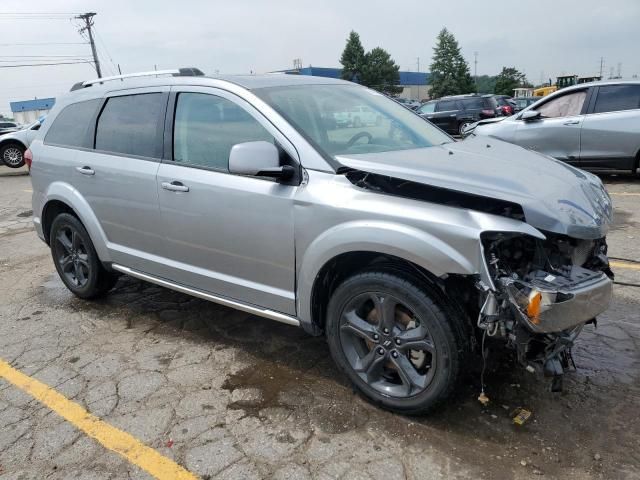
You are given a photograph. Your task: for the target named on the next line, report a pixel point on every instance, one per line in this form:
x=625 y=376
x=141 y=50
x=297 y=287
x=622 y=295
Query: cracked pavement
x=229 y=395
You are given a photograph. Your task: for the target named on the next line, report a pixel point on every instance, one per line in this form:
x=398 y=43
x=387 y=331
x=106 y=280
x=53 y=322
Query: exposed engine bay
x=543 y=292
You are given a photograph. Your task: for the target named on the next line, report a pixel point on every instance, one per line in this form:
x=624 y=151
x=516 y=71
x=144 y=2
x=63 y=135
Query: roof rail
x=186 y=72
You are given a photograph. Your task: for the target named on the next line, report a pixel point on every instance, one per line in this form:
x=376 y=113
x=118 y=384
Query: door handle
x=175 y=186
x=86 y=170
x=571 y=122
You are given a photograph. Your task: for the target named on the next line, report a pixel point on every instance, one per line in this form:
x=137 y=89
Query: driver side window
x=565 y=106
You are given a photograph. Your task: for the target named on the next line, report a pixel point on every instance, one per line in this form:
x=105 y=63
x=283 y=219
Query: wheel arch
x=9 y=141
x=63 y=198
x=341 y=252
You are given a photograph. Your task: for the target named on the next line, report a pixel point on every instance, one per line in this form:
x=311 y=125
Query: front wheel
x=393 y=341
x=12 y=155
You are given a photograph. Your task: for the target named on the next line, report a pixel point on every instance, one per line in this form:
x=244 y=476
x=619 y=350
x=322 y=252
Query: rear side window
x=207 y=126
x=446 y=105
x=131 y=124
x=613 y=98
x=473 y=103
x=69 y=128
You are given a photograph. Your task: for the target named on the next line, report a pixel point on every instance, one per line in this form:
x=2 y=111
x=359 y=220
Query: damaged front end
x=541 y=295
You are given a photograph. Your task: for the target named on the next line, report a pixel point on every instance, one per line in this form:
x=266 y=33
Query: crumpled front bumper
x=564 y=307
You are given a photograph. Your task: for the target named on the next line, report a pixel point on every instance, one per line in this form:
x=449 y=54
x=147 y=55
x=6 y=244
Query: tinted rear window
x=446 y=105
x=471 y=103
x=130 y=125
x=613 y=98
x=69 y=128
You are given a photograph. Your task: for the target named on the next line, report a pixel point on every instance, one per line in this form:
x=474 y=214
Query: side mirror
x=258 y=159
x=530 y=115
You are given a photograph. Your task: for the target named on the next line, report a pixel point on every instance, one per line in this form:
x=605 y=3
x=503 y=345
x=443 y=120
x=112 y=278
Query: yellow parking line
x=625 y=194
x=28 y=190
x=110 y=437
x=630 y=266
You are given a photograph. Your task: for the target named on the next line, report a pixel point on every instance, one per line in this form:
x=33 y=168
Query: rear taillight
x=28 y=158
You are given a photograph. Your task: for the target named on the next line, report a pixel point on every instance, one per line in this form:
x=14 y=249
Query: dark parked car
x=455 y=113
x=506 y=104
x=8 y=127
x=524 y=102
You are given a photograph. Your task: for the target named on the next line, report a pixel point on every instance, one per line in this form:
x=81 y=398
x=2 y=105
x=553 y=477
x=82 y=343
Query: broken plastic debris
x=483 y=399
x=521 y=416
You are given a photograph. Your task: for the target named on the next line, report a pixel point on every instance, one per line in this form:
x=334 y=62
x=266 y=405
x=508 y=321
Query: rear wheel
x=393 y=341
x=12 y=155
x=76 y=260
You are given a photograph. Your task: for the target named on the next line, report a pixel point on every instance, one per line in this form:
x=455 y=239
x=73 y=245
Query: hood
x=554 y=196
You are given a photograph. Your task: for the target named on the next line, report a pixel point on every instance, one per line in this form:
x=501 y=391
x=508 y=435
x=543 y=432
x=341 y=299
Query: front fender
x=65 y=193
x=406 y=242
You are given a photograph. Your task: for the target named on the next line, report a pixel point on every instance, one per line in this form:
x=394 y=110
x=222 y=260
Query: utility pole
x=475 y=67
x=88 y=23
x=601 y=66
x=418 y=61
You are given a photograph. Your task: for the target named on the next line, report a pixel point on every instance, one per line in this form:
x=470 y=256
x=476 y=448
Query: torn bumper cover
x=547 y=303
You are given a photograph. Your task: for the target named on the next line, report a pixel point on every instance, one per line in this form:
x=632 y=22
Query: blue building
x=28 y=111
x=414 y=83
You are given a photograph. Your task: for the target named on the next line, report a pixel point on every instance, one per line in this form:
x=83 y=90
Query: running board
x=277 y=316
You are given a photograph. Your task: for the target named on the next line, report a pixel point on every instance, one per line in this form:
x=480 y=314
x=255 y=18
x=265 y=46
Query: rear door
x=226 y=234
x=117 y=176
x=557 y=131
x=445 y=116
x=610 y=137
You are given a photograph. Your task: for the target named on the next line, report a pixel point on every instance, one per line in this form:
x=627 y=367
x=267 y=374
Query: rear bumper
x=563 y=308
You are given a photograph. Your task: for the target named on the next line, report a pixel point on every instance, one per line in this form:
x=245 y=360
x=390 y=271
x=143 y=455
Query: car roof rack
x=178 y=72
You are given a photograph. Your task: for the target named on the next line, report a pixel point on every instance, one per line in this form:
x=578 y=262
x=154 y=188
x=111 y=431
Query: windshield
x=348 y=119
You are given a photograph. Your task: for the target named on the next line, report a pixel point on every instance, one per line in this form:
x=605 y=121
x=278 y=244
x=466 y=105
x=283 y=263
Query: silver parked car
x=594 y=126
x=405 y=248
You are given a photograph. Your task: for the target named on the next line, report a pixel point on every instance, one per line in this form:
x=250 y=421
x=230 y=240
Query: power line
x=41 y=56
x=40 y=44
x=43 y=64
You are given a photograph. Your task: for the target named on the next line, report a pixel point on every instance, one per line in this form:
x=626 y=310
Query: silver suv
x=405 y=248
x=594 y=126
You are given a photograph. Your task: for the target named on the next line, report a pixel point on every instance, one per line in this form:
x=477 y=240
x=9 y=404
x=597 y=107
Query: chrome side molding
x=277 y=316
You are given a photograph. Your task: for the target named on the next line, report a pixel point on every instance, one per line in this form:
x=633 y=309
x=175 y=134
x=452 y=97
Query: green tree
x=380 y=72
x=509 y=79
x=486 y=83
x=449 y=70
x=353 y=58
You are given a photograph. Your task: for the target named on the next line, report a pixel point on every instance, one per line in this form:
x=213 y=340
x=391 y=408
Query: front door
x=226 y=234
x=557 y=132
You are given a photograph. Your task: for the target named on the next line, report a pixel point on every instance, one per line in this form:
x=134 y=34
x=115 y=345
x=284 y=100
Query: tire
x=76 y=260
x=381 y=364
x=462 y=127
x=12 y=155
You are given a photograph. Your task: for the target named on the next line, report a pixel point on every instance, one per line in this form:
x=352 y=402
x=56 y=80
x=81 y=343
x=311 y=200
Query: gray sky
x=549 y=37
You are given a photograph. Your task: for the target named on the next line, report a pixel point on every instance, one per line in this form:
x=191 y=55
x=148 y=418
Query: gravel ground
x=229 y=395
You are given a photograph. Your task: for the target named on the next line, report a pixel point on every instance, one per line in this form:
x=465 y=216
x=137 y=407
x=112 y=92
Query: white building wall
x=416 y=92
x=29 y=116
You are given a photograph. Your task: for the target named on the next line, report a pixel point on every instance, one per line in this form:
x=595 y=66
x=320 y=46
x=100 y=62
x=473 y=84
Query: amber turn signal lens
x=533 y=309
